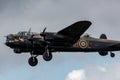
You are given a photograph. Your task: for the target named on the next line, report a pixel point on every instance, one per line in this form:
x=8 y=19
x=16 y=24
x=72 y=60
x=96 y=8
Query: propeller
x=43 y=41
x=43 y=33
x=29 y=31
x=31 y=37
x=44 y=30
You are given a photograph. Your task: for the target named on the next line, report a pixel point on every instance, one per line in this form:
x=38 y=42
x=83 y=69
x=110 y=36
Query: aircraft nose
x=7 y=43
x=9 y=40
x=10 y=44
x=10 y=37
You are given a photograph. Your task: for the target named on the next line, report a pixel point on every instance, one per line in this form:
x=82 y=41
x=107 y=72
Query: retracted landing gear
x=112 y=54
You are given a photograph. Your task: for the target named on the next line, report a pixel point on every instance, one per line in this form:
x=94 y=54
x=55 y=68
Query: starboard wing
x=74 y=31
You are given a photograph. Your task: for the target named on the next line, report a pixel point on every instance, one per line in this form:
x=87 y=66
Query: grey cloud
x=18 y=15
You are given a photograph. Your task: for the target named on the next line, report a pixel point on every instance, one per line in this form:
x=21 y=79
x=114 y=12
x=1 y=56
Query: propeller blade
x=43 y=33
x=44 y=30
x=29 y=31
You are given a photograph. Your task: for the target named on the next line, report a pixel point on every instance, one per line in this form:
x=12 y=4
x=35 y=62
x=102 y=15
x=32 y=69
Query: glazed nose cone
x=9 y=40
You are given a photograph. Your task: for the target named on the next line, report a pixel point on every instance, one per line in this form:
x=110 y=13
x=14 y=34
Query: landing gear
x=112 y=54
x=33 y=61
x=104 y=53
x=47 y=56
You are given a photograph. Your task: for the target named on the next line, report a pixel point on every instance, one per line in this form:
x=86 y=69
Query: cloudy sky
x=20 y=15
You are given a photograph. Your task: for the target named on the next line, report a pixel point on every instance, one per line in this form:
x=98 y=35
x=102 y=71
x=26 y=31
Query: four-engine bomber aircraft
x=66 y=40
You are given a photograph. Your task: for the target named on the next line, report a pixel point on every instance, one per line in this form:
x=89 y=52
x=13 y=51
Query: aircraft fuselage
x=84 y=44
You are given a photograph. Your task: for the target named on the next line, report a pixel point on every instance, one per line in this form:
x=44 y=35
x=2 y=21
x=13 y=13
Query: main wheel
x=33 y=61
x=47 y=56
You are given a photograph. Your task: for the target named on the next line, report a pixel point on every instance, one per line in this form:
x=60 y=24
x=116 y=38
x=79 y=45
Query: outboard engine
x=103 y=53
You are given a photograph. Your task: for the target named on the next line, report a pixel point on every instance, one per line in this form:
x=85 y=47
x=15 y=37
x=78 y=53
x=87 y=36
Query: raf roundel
x=83 y=44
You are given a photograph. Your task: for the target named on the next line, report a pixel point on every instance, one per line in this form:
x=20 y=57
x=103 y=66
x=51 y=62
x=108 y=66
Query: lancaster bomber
x=69 y=39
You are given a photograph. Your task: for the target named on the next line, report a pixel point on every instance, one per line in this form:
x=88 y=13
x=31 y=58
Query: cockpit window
x=87 y=35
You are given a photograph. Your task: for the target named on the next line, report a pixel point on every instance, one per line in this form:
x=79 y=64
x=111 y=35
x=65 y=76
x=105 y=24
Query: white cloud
x=110 y=72
x=103 y=69
x=76 y=75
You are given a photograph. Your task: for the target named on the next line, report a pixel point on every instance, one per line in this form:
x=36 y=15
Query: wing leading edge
x=74 y=31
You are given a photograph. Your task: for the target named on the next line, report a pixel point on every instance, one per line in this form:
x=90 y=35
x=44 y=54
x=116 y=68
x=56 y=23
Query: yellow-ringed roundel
x=83 y=44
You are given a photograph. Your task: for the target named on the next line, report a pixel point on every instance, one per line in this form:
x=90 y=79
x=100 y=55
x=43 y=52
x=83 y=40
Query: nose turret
x=9 y=40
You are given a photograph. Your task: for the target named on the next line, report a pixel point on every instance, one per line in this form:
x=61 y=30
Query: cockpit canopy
x=24 y=33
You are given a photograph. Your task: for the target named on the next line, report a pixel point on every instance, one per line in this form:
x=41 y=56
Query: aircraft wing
x=74 y=31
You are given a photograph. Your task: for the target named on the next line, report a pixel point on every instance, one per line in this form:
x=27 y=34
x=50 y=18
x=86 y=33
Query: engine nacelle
x=16 y=50
x=103 y=53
